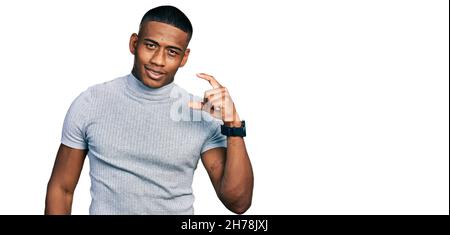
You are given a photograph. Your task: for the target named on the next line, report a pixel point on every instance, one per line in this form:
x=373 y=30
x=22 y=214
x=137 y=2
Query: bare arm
x=64 y=178
x=229 y=169
x=231 y=174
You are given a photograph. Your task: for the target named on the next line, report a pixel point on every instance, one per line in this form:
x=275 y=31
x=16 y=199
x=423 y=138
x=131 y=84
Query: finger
x=214 y=83
x=214 y=111
x=217 y=101
x=195 y=105
x=208 y=107
x=221 y=111
x=218 y=110
x=215 y=91
x=213 y=97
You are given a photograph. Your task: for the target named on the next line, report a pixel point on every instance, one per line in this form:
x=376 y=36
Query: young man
x=142 y=155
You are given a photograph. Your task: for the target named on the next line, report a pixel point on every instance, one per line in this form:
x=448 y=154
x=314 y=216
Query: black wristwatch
x=233 y=131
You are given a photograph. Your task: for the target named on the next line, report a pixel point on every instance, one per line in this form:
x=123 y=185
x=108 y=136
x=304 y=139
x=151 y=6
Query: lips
x=154 y=74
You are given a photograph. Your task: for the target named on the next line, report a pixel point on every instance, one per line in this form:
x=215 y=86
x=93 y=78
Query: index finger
x=214 y=83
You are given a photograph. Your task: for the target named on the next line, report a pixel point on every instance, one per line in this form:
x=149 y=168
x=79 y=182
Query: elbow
x=58 y=200
x=240 y=209
x=62 y=187
x=237 y=201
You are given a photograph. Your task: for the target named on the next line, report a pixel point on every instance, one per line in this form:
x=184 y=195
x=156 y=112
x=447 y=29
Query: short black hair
x=169 y=15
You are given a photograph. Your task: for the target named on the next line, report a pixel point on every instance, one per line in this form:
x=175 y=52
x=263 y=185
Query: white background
x=346 y=102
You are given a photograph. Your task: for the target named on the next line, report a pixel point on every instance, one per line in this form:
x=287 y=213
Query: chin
x=148 y=81
x=152 y=83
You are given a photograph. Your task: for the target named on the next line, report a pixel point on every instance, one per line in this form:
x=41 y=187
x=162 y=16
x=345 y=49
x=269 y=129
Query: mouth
x=154 y=74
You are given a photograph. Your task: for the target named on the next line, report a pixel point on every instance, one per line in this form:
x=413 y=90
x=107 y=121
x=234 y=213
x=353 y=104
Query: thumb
x=195 y=105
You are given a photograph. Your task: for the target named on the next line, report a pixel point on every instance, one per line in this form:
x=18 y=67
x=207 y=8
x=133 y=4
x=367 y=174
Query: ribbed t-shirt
x=143 y=145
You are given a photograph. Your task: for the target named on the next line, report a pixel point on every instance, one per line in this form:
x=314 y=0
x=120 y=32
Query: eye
x=172 y=52
x=150 y=45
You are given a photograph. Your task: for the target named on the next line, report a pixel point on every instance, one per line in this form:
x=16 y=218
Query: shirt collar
x=144 y=91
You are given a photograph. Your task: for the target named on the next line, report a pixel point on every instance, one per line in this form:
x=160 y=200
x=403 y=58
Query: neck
x=144 y=91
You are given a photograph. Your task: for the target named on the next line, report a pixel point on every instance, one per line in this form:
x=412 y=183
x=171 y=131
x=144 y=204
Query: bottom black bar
x=260 y=224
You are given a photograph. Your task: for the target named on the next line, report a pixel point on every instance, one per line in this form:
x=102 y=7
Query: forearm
x=236 y=187
x=234 y=180
x=58 y=201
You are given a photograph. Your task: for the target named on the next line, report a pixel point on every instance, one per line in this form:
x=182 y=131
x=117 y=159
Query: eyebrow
x=155 y=42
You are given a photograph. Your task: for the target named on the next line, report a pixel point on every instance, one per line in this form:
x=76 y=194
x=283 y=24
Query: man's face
x=159 y=50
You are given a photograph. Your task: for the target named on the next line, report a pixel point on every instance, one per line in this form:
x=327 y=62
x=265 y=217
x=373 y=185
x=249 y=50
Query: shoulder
x=103 y=88
x=96 y=93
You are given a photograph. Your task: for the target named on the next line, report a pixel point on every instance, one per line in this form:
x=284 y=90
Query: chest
x=140 y=134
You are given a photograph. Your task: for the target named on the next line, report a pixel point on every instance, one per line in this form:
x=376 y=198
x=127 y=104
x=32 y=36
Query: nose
x=158 y=58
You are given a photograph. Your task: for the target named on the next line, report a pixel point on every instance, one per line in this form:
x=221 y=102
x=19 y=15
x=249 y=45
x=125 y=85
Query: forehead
x=164 y=34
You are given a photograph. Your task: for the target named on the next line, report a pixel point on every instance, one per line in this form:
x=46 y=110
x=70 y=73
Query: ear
x=133 y=43
x=185 y=57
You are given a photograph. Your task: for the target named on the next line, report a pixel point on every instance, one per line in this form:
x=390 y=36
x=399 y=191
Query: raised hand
x=217 y=102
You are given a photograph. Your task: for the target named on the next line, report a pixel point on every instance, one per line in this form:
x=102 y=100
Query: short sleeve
x=215 y=139
x=73 y=132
